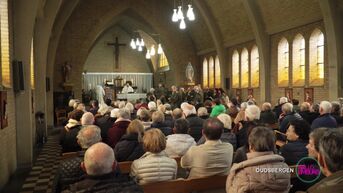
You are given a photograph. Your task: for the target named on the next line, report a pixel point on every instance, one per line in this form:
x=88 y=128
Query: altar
x=141 y=83
x=131 y=96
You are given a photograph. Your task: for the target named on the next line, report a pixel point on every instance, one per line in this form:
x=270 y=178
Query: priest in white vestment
x=127 y=89
x=100 y=93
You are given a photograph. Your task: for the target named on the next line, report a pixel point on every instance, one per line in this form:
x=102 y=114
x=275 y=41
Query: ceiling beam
x=263 y=44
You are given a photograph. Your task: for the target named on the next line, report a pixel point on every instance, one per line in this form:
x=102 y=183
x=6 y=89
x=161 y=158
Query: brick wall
x=320 y=92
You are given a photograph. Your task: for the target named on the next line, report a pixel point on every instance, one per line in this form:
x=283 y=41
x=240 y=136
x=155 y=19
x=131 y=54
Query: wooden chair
x=61 y=116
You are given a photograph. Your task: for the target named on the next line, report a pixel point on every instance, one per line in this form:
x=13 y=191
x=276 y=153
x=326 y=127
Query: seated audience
x=179 y=142
x=241 y=114
x=177 y=113
x=69 y=170
x=119 y=127
x=68 y=139
x=158 y=122
x=152 y=106
x=105 y=122
x=144 y=116
x=297 y=137
x=130 y=146
x=99 y=164
x=330 y=159
x=295 y=103
x=203 y=113
x=94 y=107
x=218 y=108
x=313 y=143
x=278 y=108
x=336 y=112
x=154 y=165
x=288 y=116
x=211 y=158
x=87 y=119
x=325 y=119
x=195 y=122
x=267 y=117
x=227 y=135
x=243 y=176
x=252 y=116
x=306 y=114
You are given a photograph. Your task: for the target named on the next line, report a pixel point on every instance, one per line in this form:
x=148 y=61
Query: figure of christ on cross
x=116 y=46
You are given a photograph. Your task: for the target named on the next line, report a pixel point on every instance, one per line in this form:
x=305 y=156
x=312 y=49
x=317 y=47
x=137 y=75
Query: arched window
x=245 y=68
x=317 y=58
x=163 y=61
x=205 y=73
x=235 y=69
x=32 y=67
x=283 y=62
x=298 y=60
x=4 y=37
x=217 y=73
x=211 y=72
x=255 y=67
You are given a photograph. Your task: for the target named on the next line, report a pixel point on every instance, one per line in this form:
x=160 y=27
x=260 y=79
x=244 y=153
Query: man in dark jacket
x=325 y=119
x=105 y=122
x=330 y=158
x=252 y=116
x=306 y=114
x=195 y=122
x=268 y=117
x=99 y=163
x=119 y=127
x=69 y=170
x=278 y=108
x=175 y=98
x=69 y=132
x=289 y=115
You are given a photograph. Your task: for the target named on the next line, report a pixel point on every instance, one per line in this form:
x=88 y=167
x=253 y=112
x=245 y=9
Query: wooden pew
x=187 y=185
x=125 y=167
x=68 y=155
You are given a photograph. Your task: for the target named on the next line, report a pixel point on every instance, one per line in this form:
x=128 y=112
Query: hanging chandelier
x=178 y=14
x=139 y=44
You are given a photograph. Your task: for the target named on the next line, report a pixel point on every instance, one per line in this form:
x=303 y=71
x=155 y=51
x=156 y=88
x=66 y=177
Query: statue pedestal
x=67 y=86
x=190 y=83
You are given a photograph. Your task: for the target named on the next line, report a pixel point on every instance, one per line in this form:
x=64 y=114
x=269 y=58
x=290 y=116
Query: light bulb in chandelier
x=152 y=51
x=138 y=43
x=147 y=55
x=182 y=24
x=140 y=48
x=159 y=49
x=175 y=17
x=190 y=13
x=142 y=42
x=180 y=13
x=133 y=44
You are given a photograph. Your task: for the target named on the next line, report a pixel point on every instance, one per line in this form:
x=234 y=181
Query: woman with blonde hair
x=154 y=165
x=130 y=146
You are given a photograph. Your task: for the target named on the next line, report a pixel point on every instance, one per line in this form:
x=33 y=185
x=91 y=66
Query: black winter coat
x=128 y=148
x=293 y=151
x=68 y=139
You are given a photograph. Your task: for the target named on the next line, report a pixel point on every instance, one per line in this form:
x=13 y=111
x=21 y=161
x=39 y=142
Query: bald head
x=99 y=159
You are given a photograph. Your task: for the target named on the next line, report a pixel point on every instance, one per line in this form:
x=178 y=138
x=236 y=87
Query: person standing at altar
x=100 y=93
x=127 y=88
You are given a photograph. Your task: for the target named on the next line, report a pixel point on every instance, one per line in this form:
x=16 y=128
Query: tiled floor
x=40 y=179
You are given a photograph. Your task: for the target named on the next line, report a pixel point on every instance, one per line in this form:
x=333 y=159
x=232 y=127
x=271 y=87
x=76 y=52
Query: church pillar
x=216 y=36
x=42 y=34
x=24 y=20
x=263 y=44
x=334 y=40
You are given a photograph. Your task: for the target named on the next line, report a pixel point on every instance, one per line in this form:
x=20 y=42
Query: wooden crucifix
x=116 y=46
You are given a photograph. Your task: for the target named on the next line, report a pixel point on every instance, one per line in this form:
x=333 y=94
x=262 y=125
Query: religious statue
x=66 y=69
x=190 y=73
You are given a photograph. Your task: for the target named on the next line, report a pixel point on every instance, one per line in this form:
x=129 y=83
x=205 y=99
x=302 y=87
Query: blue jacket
x=325 y=120
x=288 y=118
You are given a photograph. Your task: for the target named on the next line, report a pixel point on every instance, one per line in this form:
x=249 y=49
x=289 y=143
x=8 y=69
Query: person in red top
x=119 y=127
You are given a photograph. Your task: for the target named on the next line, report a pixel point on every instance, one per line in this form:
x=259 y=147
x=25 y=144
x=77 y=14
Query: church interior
x=56 y=50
